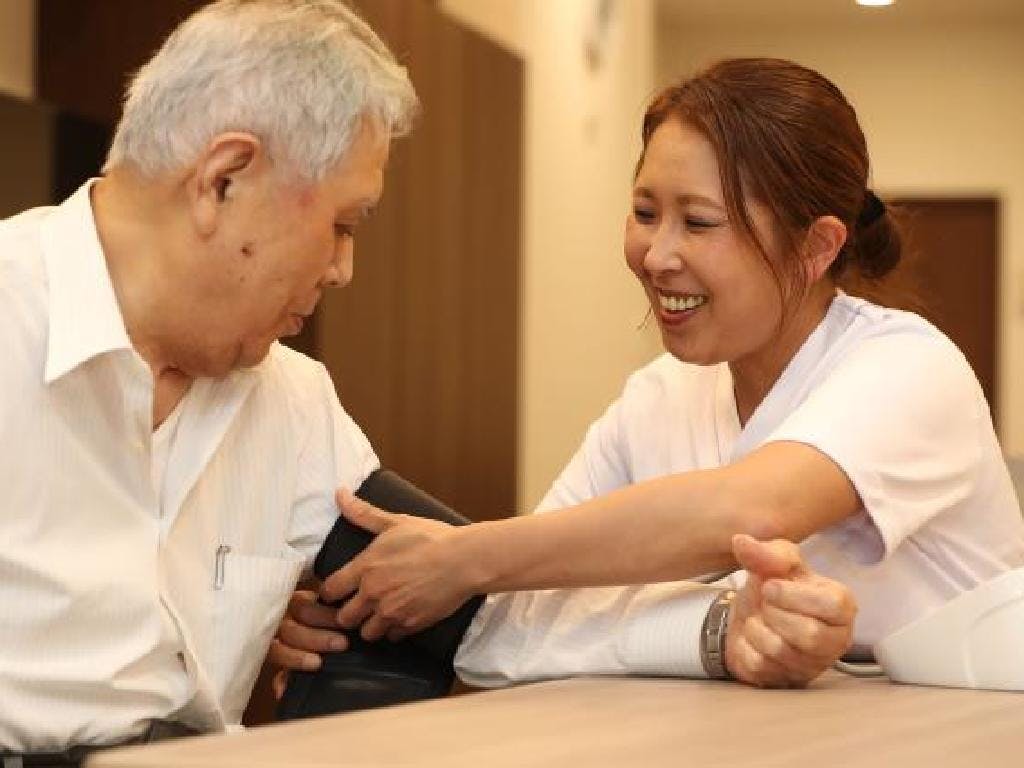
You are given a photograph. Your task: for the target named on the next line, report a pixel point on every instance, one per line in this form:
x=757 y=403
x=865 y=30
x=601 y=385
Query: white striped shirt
x=114 y=605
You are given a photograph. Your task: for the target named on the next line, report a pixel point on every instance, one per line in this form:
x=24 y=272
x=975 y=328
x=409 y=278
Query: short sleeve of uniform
x=900 y=415
x=598 y=467
x=652 y=629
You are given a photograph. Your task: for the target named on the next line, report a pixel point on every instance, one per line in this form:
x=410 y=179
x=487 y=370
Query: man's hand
x=307 y=630
x=787 y=625
x=407 y=579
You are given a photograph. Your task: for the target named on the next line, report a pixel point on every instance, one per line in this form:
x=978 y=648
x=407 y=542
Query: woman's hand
x=788 y=625
x=407 y=579
x=307 y=630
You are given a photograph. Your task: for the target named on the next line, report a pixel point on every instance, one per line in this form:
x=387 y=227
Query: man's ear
x=228 y=160
x=825 y=237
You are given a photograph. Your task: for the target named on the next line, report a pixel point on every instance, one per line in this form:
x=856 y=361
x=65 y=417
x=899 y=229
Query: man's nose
x=339 y=271
x=332 y=277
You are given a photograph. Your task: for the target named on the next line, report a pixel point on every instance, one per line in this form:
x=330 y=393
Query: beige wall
x=17 y=47
x=943 y=109
x=581 y=307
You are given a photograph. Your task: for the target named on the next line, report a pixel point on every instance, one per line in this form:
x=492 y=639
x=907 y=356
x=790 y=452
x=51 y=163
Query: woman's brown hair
x=786 y=136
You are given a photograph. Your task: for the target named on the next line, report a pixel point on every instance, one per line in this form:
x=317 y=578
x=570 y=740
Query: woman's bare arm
x=667 y=529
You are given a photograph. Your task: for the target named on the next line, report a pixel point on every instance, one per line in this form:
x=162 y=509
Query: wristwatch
x=713 y=634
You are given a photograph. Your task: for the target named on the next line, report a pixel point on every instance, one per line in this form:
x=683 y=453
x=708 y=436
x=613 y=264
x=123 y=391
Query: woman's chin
x=688 y=353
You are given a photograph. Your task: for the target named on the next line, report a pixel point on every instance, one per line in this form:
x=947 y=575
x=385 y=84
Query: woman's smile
x=675 y=308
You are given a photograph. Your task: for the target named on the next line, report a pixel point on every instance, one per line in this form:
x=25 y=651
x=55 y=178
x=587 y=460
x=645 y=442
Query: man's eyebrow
x=364 y=208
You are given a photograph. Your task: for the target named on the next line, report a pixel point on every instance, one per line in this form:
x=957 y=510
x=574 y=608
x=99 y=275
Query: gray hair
x=299 y=74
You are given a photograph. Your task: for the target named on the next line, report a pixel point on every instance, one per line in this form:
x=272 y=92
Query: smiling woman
x=769 y=200
x=784 y=408
x=679 y=209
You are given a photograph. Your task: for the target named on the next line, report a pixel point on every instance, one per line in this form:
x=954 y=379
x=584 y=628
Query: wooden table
x=839 y=721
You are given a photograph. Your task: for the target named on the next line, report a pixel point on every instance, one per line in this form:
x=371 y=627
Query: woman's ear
x=824 y=239
x=228 y=159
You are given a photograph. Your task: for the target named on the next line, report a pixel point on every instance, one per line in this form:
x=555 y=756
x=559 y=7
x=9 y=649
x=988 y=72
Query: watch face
x=713 y=634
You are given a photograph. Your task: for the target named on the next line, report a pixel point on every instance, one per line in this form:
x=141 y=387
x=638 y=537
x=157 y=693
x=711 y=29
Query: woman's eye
x=694 y=222
x=643 y=215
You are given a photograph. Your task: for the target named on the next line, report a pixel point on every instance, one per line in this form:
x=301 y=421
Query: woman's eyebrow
x=692 y=197
x=682 y=199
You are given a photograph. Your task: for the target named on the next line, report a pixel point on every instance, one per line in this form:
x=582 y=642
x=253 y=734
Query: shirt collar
x=85 y=319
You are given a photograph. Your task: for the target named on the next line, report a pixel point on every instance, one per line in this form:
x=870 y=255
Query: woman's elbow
x=763 y=523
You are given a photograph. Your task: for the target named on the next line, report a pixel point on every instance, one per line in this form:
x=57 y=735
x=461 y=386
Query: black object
x=381 y=673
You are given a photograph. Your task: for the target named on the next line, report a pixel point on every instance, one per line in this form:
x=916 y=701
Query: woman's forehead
x=681 y=161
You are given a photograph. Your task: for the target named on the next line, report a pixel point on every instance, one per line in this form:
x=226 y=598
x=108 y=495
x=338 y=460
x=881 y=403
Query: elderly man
x=168 y=469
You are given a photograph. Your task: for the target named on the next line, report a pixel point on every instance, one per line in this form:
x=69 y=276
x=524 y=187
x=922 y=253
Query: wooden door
x=423 y=345
x=953 y=267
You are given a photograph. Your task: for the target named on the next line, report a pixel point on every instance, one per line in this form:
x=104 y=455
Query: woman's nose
x=664 y=253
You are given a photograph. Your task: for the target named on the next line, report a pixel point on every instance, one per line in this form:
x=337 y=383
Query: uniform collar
x=85 y=318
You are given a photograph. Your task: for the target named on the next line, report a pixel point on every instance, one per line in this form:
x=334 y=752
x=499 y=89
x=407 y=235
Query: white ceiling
x=789 y=11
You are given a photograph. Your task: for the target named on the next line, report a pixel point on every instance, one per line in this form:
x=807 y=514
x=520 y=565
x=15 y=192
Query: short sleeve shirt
x=893 y=403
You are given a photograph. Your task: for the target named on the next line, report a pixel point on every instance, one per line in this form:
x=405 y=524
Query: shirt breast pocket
x=251 y=593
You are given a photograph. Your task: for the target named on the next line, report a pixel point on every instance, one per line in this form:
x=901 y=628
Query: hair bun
x=877 y=245
x=871 y=211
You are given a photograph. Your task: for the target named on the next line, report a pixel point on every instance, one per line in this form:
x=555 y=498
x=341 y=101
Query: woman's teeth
x=680 y=303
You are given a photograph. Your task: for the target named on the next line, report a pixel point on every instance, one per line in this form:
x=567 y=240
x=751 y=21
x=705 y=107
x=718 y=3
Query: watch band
x=713 y=634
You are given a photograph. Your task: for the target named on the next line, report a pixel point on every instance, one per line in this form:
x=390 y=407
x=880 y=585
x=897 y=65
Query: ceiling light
x=875 y=3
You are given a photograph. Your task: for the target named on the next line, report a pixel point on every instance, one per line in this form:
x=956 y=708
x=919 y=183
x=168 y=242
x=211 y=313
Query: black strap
x=381 y=673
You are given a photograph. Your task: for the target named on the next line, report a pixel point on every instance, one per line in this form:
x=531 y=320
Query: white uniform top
x=882 y=393
x=115 y=607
